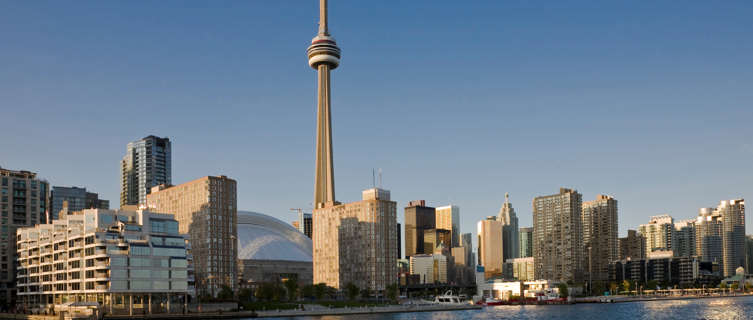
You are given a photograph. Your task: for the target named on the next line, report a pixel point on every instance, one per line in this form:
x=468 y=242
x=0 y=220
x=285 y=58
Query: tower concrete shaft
x=324 y=55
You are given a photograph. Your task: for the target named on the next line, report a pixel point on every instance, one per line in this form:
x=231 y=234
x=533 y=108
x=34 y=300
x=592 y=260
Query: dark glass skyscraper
x=147 y=163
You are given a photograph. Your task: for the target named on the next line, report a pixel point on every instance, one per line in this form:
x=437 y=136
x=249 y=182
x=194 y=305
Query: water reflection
x=711 y=309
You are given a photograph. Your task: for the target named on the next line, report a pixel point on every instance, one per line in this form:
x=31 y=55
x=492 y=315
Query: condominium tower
x=708 y=227
x=418 y=218
x=77 y=198
x=600 y=236
x=207 y=211
x=684 y=238
x=24 y=199
x=632 y=247
x=658 y=234
x=733 y=241
x=129 y=262
x=558 y=239
x=357 y=242
x=510 y=235
x=448 y=218
x=147 y=163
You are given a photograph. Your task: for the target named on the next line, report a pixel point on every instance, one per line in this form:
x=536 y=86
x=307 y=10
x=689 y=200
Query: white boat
x=448 y=298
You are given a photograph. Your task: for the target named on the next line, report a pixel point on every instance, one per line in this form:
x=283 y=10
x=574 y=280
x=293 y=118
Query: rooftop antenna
x=373 y=178
x=380 y=178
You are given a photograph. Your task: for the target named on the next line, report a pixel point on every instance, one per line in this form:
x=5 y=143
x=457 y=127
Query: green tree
x=723 y=285
x=320 y=289
x=365 y=293
x=625 y=285
x=564 y=292
x=225 y=293
x=748 y=286
x=651 y=285
x=291 y=286
x=735 y=286
x=351 y=291
x=245 y=295
x=598 y=288
x=308 y=291
x=392 y=292
x=613 y=288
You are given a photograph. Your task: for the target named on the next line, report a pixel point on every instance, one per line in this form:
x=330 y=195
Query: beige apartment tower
x=490 y=246
x=206 y=209
x=600 y=236
x=357 y=242
x=558 y=238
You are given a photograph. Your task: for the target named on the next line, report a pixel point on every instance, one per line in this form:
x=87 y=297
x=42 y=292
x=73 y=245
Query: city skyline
x=660 y=143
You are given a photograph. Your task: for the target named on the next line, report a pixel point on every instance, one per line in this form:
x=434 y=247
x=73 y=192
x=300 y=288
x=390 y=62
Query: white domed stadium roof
x=262 y=237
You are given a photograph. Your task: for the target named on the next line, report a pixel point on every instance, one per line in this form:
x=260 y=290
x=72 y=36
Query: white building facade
x=130 y=262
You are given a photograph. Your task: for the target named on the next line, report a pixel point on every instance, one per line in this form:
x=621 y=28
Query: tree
x=598 y=288
x=291 y=286
x=613 y=288
x=735 y=286
x=245 y=295
x=723 y=285
x=351 y=290
x=625 y=285
x=308 y=291
x=225 y=293
x=651 y=285
x=365 y=293
x=319 y=290
x=564 y=292
x=748 y=286
x=392 y=292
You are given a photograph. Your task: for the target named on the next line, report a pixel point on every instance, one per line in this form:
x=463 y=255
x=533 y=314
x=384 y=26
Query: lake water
x=716 y=308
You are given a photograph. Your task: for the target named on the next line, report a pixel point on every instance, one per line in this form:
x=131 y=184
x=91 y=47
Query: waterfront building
x=418 y=218
x=207 y=211
x=147 y=163
x=522 y=268
x=356 y=242
x=130 y=262
x=504 y=290
x=269 y=250
x=24 y=199
x=526 y=242
x=490 y=246
x=667 y=270
x=632 y=247
x=77 y=198
x=708 y=227
x=733 y=236
x=600 y=236
x=749 y=254
x=434 y=237
x=510 y=236
x=448 y=218
x=558 y=238
x=658 y=234
x=467 y=242
x=431 y=268
x=684 y=238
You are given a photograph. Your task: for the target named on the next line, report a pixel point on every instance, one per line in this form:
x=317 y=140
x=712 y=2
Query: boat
x=448 y=298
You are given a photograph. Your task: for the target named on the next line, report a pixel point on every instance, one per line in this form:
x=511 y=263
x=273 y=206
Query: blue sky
x=457 y=102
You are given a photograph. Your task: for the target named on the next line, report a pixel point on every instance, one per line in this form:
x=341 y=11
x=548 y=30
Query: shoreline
x=625 y=299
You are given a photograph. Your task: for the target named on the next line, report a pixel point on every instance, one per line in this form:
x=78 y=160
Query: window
x=179 y=285
x=171 y=252
x=118 y=261
x=140 y=273
x=119 y=285
x=140 y=250
x=179 y=263
x=179 y=274
x=141 y=284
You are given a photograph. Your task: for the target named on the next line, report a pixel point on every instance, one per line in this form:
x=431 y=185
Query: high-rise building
x=24 y=199
x=658 y=233
x=434 y=237
x=526 y=242
x=733 y=237
x=490 y=246
x=522 y=269
x=147 y=163
x=357 y=242
x=558 y=238
x=684 y=238
x=599 y=222
x=207 y=211
x=418 y=218
x=431 y=268
x=708 y=237
x=467 y=242
x=748 y=254
x=399 y=243
x=448 y=218
x=510 y=236
x=130 y=262
x=78 y=199
x=304 y=223
x=633 y=247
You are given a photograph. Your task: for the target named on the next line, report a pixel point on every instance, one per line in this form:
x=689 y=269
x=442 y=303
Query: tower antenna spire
x=323 y=17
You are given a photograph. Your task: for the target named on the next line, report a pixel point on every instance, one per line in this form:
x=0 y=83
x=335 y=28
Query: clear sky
x=457 y=101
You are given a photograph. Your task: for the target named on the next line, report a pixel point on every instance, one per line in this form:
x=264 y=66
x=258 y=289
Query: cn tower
x=324 y=55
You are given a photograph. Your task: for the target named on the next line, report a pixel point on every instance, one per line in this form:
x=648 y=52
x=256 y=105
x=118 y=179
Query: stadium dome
x=262 y=237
